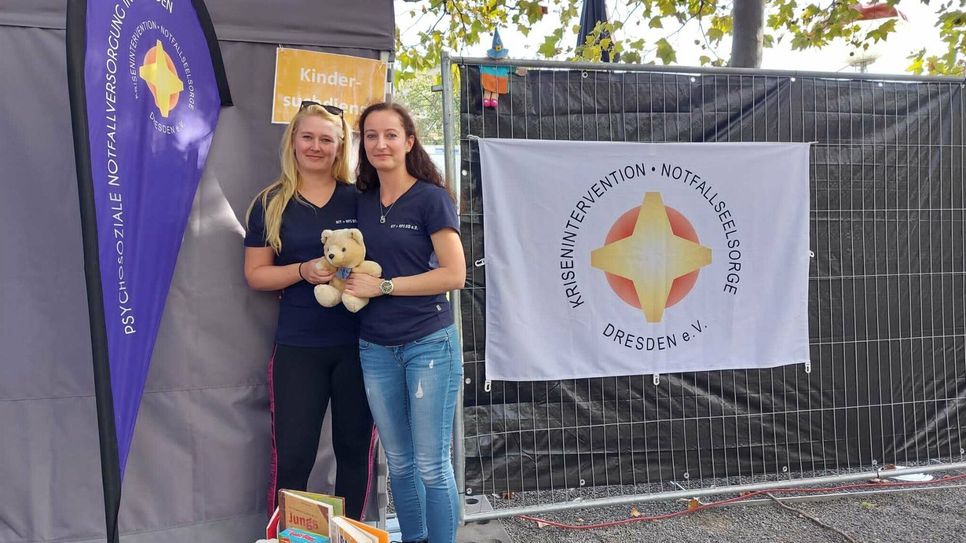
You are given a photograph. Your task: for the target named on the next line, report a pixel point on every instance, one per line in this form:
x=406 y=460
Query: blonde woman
x=316 y=349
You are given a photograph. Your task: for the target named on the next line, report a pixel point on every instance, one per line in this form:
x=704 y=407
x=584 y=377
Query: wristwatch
x=386 y=286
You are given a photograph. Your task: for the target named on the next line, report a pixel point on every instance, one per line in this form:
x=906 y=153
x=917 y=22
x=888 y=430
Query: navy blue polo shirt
x=402 y=246
x=302 y=322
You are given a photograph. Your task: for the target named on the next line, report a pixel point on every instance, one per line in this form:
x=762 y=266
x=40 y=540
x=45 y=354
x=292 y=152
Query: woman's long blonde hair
x=275 y=197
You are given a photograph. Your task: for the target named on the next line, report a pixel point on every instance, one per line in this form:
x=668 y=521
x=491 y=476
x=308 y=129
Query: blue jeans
x=412 y=391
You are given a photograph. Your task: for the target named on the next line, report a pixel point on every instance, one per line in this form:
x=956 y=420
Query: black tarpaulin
x=887 y=382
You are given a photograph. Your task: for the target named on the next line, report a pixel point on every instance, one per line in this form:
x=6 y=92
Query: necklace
x=383 y=213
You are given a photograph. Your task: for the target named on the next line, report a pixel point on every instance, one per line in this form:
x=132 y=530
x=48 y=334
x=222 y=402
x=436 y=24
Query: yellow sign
x=350 y=83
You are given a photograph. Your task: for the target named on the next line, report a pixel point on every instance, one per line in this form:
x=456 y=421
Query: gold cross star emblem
x=652 y=257
x=159 y=73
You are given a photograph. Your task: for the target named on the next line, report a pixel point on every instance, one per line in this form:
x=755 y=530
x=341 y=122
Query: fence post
x=453 y=181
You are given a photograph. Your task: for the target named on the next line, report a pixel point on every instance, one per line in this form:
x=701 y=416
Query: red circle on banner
x=624 y=227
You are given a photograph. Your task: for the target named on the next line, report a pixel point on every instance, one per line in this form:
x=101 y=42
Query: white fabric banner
x=606 y=259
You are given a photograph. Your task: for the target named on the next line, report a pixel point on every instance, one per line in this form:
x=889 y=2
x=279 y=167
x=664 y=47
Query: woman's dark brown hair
x=418 y=163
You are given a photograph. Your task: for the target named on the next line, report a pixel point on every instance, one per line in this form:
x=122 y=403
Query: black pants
x=304 y=380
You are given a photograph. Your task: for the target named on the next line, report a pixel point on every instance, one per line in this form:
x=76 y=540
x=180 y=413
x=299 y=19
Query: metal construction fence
x=887 y=287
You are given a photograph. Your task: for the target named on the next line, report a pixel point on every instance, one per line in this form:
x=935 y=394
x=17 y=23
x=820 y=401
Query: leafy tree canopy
x=453 y=24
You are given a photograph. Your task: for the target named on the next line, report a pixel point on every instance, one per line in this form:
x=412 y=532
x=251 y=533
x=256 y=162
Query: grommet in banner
x=811 y=254
x=656 y=379
x=584 y=74
x=583 y=482
x=464 y=172
x=693 y=79
x=784 y=469
x=487 y=386
x=792 y=79
x=468 y=380
x=687 y=475
x=875 y=462
x=479 y=263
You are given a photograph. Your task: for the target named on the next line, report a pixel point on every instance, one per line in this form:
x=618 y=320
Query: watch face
x=386 y=286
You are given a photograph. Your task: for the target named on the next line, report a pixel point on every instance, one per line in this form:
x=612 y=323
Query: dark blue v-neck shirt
x=402 y=246
x=302 y=322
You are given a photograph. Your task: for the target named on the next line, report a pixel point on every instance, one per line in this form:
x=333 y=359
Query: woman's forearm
x=272 y=277
x=429 y=283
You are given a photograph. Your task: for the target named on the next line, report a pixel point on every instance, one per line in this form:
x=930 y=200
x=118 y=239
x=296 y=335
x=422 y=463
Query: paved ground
x=926 y=515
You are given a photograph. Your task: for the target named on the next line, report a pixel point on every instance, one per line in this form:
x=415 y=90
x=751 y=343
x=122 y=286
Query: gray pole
x=453 y=180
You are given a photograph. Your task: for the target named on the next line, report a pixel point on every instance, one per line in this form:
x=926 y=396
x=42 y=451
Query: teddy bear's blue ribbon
x=343 y=273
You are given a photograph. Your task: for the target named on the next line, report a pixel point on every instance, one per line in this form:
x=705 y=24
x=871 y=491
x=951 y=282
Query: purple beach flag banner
x=147 y=84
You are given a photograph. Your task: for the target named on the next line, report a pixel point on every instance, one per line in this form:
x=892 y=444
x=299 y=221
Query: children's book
x=337 y=502
x=305 y=512
x=271 y=530
x=382 y=536
x=347 y=530
x=294 y=535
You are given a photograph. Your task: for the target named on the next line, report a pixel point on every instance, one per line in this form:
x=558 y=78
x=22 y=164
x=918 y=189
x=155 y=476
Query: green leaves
x=667 y=8
x=631 y=57
x=550 y=46
x=531 y=9
x=454 y=25
x=882 y=31
x=665 y=52
x=952 y=30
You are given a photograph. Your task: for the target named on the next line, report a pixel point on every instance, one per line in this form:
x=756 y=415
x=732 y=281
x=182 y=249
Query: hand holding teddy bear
x=344 y=253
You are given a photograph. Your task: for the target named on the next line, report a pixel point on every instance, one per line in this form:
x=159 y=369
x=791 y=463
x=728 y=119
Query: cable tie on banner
x=657 y=379
x=487 y=385
x=479 y=263
x=808 y=366
x=473 y=137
